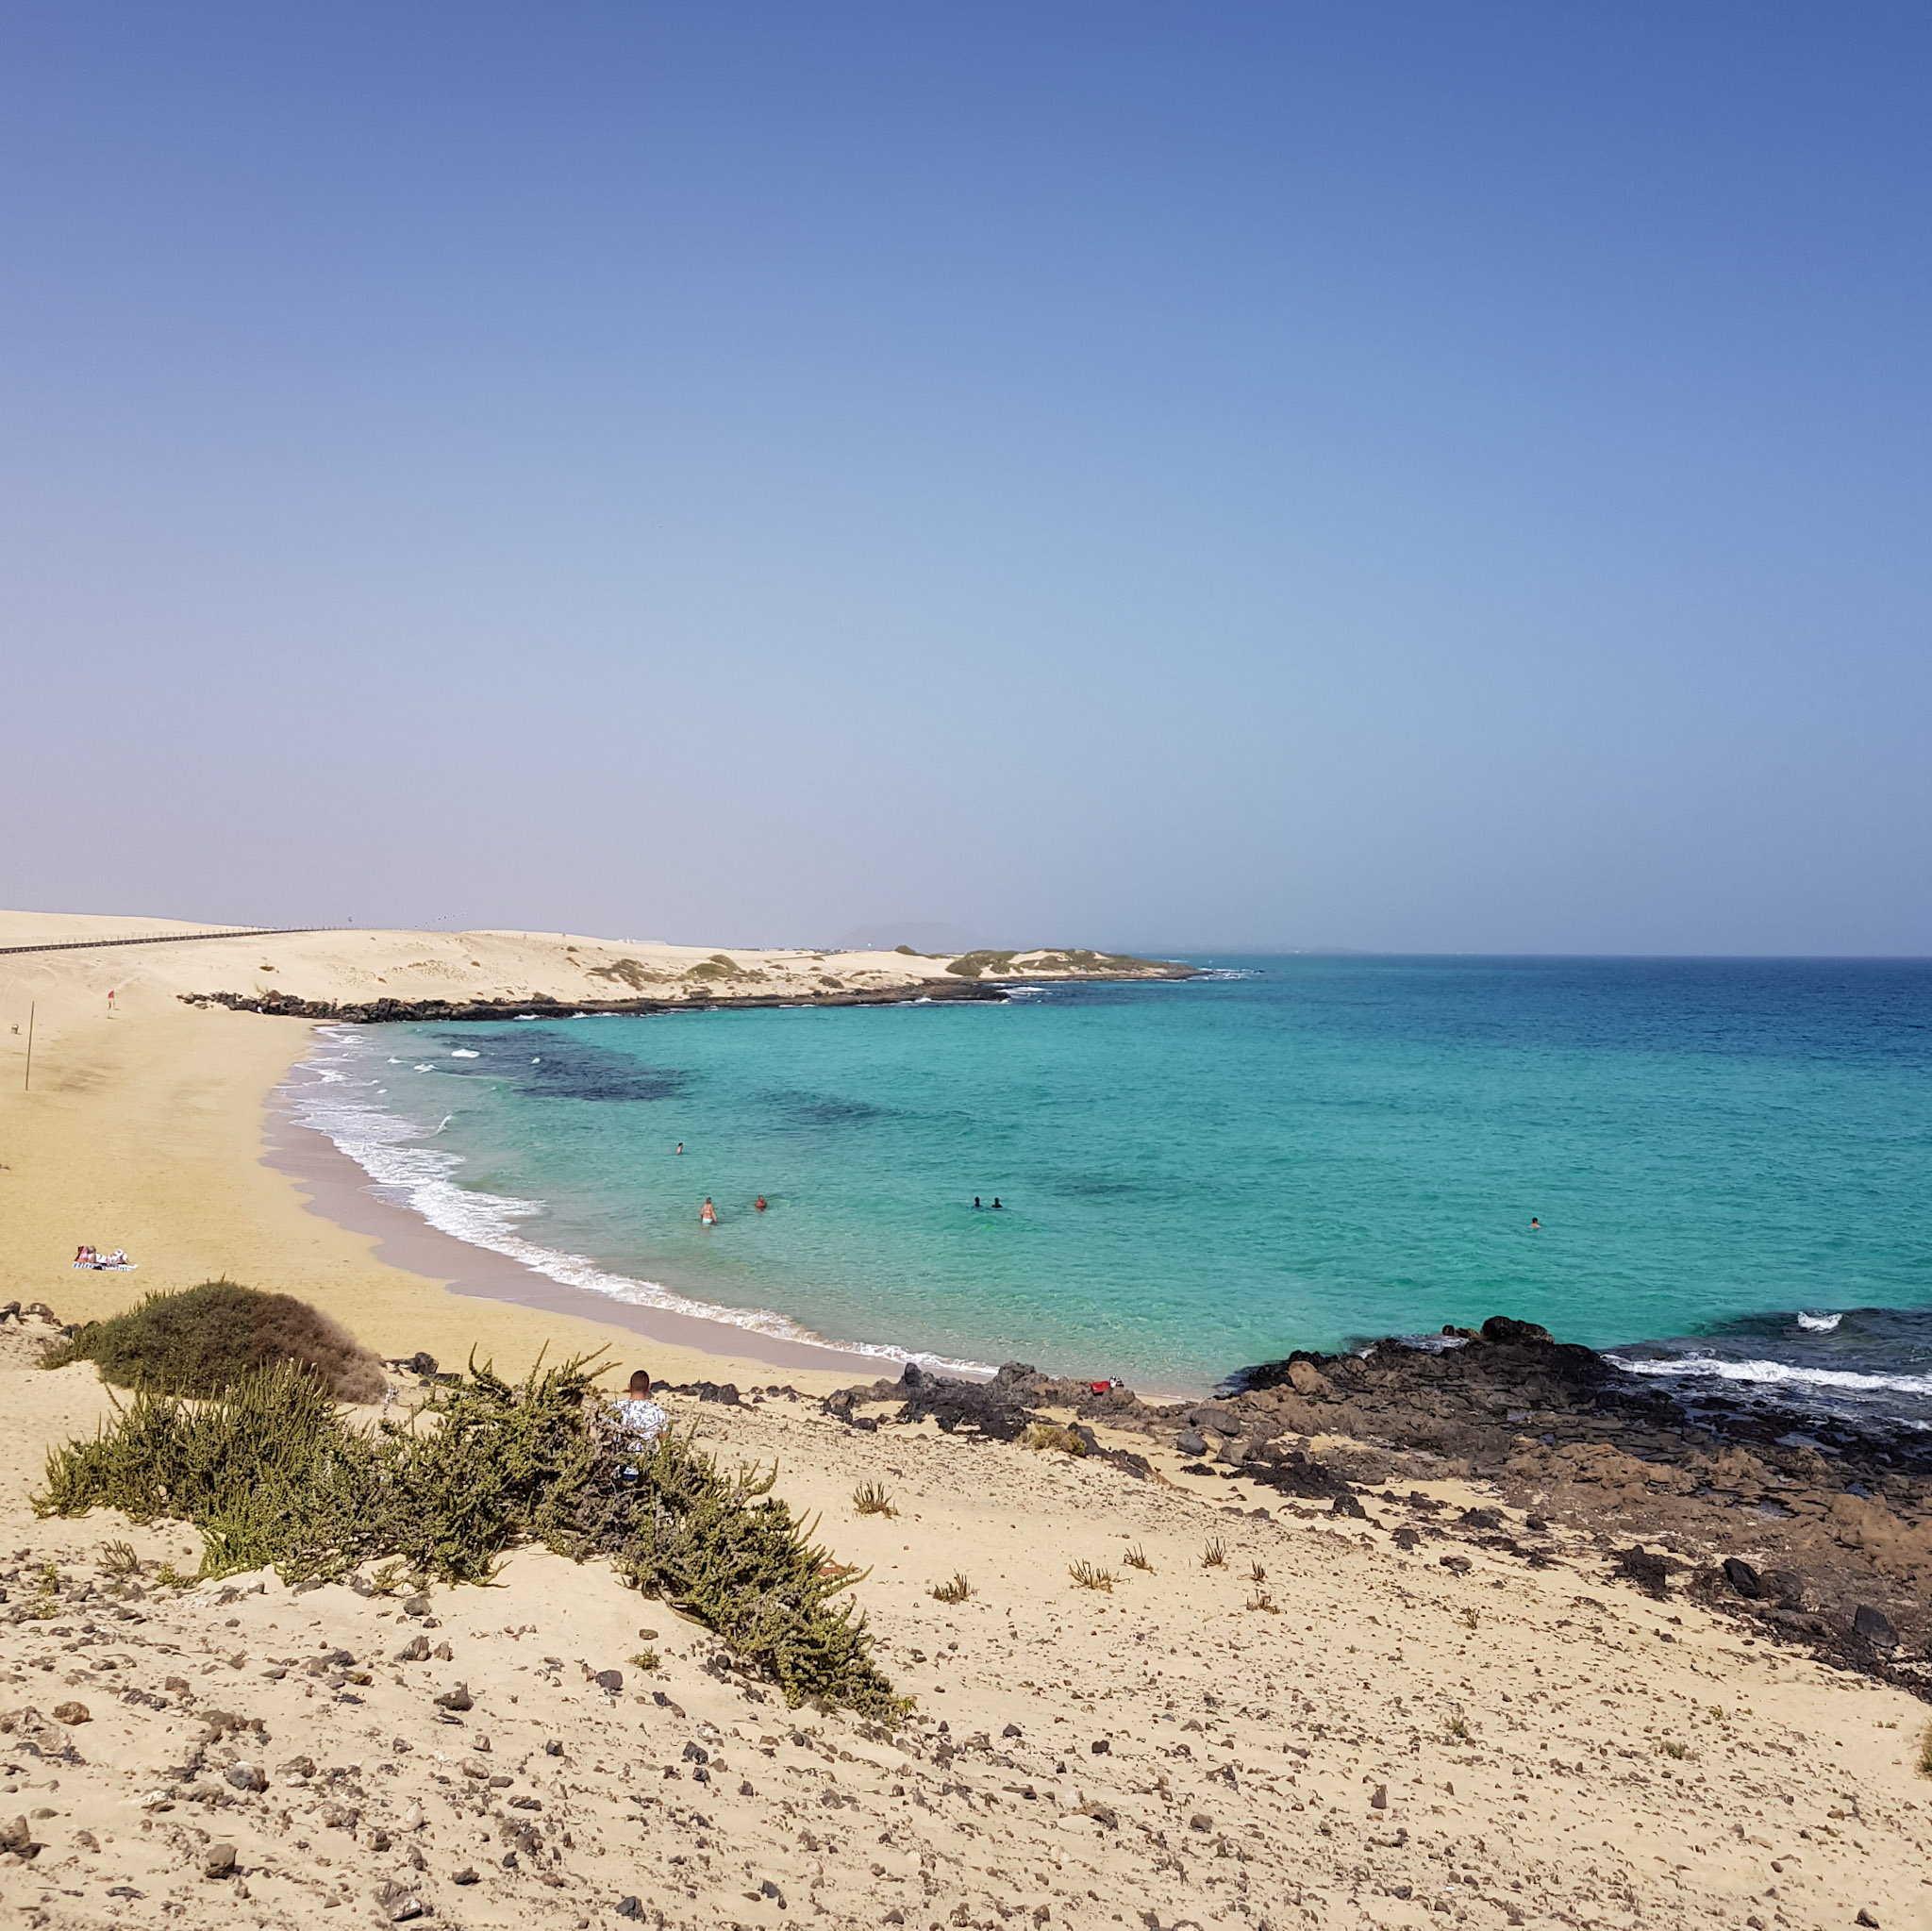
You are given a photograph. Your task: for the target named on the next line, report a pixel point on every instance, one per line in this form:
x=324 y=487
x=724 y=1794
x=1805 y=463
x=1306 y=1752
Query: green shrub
x=272 y=1475
x=969 y=965
x=205 y=1339
x=1042 y=1435
x=634 y=974
x=720 y=965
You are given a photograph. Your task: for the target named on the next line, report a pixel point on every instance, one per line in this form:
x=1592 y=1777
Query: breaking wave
x=332 y=1101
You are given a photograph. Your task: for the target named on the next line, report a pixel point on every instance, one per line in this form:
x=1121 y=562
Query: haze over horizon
x=1387 y=479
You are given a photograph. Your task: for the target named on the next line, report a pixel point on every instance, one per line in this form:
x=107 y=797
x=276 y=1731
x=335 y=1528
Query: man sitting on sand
x=638 y=1415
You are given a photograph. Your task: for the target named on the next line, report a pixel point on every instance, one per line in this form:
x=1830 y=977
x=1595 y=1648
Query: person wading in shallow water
x=760 y=1203
x=707 y=1214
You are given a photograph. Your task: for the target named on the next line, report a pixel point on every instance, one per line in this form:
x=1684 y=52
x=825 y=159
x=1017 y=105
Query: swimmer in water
x=707 y=1214
x=680 y=1146
x=760 y=1203
x=977 y=1207
x=995 y=1202
x=1536 y=1227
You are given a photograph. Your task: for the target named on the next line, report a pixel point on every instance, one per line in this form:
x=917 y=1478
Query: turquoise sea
x=1731 y=1162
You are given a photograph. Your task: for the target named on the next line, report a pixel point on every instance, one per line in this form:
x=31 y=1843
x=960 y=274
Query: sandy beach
x=1331 y=1724
x=147 y=1121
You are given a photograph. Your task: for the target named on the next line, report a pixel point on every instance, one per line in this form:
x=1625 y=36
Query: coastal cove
x=1279 y=1154
x=1469 y=1627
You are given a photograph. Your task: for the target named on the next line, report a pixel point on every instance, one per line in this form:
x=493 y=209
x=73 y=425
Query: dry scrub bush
x=870 y=1498
x=1088 y=1577
x=969 y=965
x=1136 y=1558
x=1051 y=1435
x=272 y=1473
x=956 y=1590
x=202 y=1341
x=1215 y=1554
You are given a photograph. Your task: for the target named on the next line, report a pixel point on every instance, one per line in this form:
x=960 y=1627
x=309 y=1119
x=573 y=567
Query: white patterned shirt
x=644 y=1419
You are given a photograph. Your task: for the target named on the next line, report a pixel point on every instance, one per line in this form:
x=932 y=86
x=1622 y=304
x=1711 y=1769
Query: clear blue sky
x=1408 y=477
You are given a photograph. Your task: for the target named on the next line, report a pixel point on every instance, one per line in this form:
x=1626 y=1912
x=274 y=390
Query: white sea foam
x=334 y=1102
x=1819 y=1324
x=1776 y=1373
x=463 y=1052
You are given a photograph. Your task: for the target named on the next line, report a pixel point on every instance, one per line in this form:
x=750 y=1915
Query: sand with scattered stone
x=1355 y=1737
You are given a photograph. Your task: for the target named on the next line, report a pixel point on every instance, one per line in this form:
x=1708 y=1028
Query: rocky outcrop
x=721 y=985
x=1821 y=1537
x=443 y=1011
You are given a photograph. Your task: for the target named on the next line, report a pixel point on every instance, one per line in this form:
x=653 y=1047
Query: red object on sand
x=1100 y=1387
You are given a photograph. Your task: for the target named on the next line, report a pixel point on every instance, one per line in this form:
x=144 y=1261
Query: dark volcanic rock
x=1300 y=1476
x=1835 y=1514
x=442 y=1012
x=999 y=1409
x=1743 y=1578
x=1650 y=1572
x=1835 y=1517
x=1499 y=1327
x=1875 y=1626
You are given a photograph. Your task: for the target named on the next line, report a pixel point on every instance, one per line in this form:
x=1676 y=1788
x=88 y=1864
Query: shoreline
x=341 y=1190
x=354 y=1198
x=1400 y=1684
x=338 y=1190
